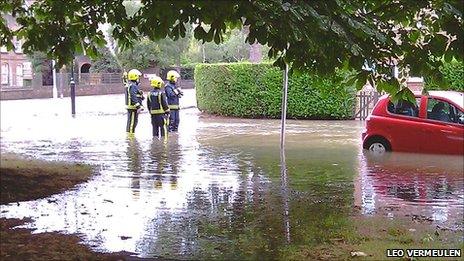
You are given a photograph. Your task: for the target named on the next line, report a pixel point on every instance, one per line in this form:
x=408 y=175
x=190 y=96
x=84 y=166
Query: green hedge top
x=254 y=91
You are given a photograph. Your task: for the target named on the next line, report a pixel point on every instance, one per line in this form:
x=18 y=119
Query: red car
x=434 y=125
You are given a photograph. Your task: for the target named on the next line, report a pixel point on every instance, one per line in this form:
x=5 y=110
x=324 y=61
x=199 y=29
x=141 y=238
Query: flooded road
x=217 y=188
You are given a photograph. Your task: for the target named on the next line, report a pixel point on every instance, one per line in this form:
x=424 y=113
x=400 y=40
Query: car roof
x=454 y=96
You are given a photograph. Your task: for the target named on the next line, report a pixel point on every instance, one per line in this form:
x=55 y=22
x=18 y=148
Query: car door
x=405 y=126
x=443 y=127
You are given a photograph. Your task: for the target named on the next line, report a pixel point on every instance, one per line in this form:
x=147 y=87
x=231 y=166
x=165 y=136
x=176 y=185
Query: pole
x=284 y=192
x=284 y=108
x=55 y=90
x=73 y=90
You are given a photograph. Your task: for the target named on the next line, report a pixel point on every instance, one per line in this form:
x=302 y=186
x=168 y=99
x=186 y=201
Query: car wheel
x=377 y=146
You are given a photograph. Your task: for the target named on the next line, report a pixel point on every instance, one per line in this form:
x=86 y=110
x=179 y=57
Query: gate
x=366 y=102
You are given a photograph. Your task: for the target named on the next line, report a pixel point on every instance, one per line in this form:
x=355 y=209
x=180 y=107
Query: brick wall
x=26 y=93
x=100 y=89
x=38 y=91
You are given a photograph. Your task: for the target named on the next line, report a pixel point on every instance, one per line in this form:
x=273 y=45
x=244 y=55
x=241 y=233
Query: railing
x=367 y=100
x=98 y=78
x=186 y=73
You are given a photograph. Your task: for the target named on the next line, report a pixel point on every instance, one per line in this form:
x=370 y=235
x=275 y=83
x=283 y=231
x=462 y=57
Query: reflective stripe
x=173 y=107
x=132 y=122
x=128 y=101
x=165 y=128
x=159 y=111
x=131 y=107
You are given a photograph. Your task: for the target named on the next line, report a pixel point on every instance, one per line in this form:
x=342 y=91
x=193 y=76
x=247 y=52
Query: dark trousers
x=174 y=119
x=159 y=124
x=132 y=119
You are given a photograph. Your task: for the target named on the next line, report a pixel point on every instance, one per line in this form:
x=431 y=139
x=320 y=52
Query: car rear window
x=405 y=108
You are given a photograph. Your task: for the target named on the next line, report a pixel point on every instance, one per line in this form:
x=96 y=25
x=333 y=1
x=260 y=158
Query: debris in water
x=358 y=253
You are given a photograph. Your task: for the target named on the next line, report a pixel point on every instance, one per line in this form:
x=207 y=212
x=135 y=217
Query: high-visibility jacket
x=134 y=96
x=157 y=102
x=173 y=97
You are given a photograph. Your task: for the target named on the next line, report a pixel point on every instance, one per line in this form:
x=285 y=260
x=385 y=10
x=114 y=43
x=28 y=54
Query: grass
x=23 y=179
x=373 y=236
x=378 y=234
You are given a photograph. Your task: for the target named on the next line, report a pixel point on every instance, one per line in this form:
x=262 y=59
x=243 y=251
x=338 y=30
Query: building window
x=19 y=75
x=18 y=46
x=5 y=73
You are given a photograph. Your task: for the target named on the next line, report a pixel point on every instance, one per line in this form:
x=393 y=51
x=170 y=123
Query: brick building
x=15 y=68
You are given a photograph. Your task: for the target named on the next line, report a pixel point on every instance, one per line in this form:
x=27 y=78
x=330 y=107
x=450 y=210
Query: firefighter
x=173 y=93
x=134 y=98
x=158 y=107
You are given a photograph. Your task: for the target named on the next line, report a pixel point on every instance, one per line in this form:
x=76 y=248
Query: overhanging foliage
x=320 y=35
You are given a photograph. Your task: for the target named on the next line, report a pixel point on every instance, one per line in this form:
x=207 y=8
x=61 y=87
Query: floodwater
x=219 y=188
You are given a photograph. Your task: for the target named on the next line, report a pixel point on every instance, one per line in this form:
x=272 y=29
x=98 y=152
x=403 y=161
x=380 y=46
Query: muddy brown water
x=219 y=188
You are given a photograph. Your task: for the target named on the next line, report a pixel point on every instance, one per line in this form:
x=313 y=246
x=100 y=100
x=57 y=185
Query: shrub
x=254 y=91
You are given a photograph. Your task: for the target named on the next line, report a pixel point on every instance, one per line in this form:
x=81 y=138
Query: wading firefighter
x=134 y=98
x=158 y=107
x=173 y=94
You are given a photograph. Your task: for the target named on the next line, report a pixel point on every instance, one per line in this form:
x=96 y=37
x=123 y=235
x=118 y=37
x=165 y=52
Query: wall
x=37 y=91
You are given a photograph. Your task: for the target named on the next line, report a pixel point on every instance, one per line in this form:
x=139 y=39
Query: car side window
x=443 y=111
x=405 y=108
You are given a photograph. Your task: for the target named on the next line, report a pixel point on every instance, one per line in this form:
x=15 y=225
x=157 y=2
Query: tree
x=105 y=63
x=451 y=77
x=38 y=59
x=320 y=35
x=233 y=48
x=143 y=54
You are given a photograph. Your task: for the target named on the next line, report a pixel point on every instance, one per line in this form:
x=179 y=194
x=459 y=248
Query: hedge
x=254 y=91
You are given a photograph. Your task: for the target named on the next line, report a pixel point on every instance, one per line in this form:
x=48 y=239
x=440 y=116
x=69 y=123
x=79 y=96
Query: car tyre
x=377 y=145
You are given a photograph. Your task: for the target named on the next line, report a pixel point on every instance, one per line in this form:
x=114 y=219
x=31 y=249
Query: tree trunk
x=255 y=53
x=255 y=48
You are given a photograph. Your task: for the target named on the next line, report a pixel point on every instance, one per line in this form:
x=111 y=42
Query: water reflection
x=221 y=188
x=134 y=165
x=284 y=189
x=413 y=184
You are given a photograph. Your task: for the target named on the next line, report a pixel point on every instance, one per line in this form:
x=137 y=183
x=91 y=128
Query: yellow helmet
x=172 y=76
x=156 y=82
x=133 y=75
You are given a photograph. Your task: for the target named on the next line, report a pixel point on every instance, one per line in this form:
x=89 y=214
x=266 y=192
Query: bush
x=254 y=91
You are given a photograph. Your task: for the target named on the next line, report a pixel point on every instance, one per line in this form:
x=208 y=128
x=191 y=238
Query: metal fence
x=91 y=79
